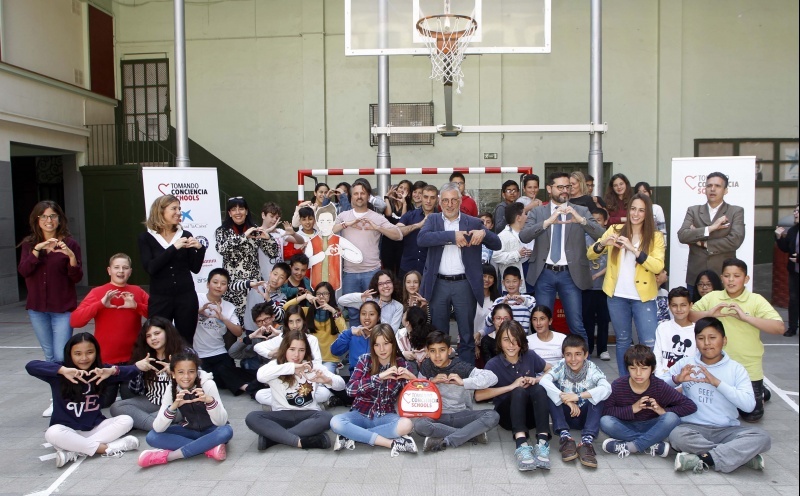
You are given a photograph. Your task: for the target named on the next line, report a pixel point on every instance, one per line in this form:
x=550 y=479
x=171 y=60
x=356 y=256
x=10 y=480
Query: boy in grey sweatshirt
x=456 y=381
x=712 y=437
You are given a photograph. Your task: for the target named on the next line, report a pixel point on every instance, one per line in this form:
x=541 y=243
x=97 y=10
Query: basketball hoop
x=447 y=36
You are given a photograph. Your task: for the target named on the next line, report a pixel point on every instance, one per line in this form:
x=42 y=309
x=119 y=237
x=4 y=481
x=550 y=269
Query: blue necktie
x=555 y=242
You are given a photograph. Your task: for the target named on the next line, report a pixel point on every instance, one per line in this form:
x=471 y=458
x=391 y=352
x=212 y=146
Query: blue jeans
x=588 y=421
x=330 y=366
x=643 y=433
x=623 y=311
x=359 y=428
x=190 y=442
x=53 y=331
x=548 y=284
x=355 y=283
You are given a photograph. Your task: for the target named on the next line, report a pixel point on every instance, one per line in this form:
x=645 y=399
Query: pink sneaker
x=152 y=457
x=218 y=452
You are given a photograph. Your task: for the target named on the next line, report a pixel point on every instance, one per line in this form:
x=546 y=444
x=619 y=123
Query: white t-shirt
x=673 y=342
x=626 y=287
x=208 y=340
x=550 y=351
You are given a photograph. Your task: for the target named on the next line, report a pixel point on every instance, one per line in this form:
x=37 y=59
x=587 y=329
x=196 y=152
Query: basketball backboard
x=504 y=26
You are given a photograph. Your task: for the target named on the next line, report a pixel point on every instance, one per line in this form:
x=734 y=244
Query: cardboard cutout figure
x=325 y=250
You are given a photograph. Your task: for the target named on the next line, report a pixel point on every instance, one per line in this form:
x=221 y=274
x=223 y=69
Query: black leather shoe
x=789 y=334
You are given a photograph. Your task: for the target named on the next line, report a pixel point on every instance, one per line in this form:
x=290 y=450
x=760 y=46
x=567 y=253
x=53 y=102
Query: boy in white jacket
x=712 y=437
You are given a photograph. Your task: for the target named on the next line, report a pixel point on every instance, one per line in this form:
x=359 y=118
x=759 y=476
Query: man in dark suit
x=558 y=263
x=453 y=272
x=788 y=241
x=713 y=231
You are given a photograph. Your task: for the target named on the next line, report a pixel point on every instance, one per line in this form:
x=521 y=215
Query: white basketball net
x=447 y=37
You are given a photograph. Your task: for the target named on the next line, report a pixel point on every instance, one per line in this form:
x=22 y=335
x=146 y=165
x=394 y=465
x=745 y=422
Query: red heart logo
x=166 y=185
x=692 y=184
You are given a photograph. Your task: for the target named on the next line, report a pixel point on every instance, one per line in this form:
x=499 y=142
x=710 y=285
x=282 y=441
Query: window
x=776 y=171
x=404 y=115
x=145 y=99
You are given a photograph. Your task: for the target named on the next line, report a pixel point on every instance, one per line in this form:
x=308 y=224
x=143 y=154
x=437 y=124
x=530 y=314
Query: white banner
x=198 y=191
x=688 y=189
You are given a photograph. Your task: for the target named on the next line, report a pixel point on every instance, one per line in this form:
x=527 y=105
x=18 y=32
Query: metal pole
x=384 y=156
x=181 y=128
x=596 y=98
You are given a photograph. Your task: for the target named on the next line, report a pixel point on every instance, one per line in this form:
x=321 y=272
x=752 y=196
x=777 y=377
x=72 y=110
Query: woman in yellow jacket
x=635 y=256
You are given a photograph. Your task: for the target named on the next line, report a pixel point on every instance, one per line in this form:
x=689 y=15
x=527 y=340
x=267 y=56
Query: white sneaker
x=48 y=412
x=116 y=449
x=605 y=356
x=343 y=443
x=64 y=457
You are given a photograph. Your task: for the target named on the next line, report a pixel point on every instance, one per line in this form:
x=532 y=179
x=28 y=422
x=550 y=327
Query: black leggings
x=181 y=308
x=524 y=409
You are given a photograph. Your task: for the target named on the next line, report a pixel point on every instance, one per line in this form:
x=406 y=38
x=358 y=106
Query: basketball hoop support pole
x=596 y=96
x=448 y=130
x=384 y=159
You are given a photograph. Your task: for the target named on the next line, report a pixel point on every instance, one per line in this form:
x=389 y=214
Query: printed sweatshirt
x=215 y=411
x=300 y=395
x=83 y=415
x=716 y=406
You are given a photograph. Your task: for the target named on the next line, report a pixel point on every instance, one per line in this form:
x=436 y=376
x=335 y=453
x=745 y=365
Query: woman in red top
x=618 y=197
x=50 y=262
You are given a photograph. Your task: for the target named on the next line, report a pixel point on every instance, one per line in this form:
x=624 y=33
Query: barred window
x=145 y=99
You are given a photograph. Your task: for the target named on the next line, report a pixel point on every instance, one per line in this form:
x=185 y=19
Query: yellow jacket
x=648 y=265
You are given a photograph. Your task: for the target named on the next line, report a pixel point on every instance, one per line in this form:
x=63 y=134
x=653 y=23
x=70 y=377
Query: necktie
x=555 y=242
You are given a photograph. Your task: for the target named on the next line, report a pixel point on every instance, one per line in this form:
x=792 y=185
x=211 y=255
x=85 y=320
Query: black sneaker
x=334 y=401
x=318 y=441
x=403 y=444
x=264 y=443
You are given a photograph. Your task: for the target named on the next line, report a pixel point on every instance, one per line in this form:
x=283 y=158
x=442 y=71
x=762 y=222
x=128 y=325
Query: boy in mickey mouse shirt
x=675 y=338
x=456 y=380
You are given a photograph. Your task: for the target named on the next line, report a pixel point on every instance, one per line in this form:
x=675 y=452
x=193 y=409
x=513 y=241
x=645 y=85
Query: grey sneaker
x=756 y=463
x=542 y=455
x=605 y=356
x=482 y=438
x=525 y=458
x=687 y=461
x=433 y=444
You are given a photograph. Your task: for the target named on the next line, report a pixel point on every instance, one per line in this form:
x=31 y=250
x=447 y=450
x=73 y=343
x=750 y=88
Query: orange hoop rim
x=445 y=41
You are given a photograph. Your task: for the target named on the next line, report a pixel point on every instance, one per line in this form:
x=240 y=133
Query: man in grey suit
x=453 y=273
x=713 y=231
x=558 y=263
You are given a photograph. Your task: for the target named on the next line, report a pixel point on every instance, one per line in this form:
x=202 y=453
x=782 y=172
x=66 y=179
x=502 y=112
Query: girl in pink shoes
x=77 y=427
x=205 y=427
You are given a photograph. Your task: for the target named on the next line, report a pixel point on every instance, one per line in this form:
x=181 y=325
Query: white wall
x=44 y=36
x=271 y=91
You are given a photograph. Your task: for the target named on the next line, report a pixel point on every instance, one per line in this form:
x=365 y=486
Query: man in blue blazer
x=453 y=271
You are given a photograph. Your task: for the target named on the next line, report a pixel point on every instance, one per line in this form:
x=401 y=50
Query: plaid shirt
x=373 y=397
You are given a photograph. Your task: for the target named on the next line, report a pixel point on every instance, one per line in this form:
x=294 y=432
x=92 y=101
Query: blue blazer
x=434 y=237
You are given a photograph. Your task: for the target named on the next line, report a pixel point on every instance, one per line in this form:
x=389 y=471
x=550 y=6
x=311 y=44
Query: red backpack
x=420 y=398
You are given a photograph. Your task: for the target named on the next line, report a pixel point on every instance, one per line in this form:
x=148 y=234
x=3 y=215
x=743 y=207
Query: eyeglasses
x=49 y=217
x=320 y=293
x=500 y=318
x=264 y=320
x=235 y=198
x=512 y=190
x=385 y=283
x=704 y=285
x=561 y=187
x=448 y=201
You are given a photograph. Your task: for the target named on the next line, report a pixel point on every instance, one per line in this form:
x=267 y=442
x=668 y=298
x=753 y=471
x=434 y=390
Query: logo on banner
x=183 y=191
x=698 y=183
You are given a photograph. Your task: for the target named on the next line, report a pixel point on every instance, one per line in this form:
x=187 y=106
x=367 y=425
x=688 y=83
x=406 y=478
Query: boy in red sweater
x=642 y=409
x=117 y=309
